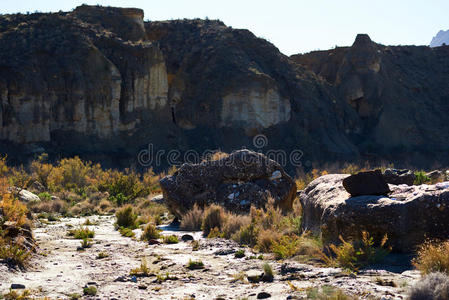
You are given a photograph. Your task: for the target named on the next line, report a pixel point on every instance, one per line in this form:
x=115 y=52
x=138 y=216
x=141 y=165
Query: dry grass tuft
x=193 y=219
x=433 y=257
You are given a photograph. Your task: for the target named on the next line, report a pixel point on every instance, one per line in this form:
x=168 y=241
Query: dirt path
x=61 y=270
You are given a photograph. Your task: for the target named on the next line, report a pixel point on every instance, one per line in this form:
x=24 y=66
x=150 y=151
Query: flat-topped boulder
x=409 y=215
x=238 y=181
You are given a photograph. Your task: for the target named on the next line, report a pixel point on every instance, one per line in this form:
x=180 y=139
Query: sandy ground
x=59 y=270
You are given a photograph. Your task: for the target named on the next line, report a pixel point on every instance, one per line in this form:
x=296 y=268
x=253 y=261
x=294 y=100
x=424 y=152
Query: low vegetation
x=13 y=213
x=150 y=232
x=81 y=233
x=171 y=239
x=195 y=264
x=327 y=292
x=357 y=254
x=433 y=256
x=142 y=271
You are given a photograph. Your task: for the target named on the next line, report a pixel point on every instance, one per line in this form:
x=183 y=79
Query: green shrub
x=239 y=253
x=421 y=178
x=102 y=255
x=126 y=217
x=45 y=196
x=126 y=232
x=171 y=239
x=85 y=243
x=359 y=253
x=14 y=254
x=90 y=291
x=82 y=233
x=194 y=265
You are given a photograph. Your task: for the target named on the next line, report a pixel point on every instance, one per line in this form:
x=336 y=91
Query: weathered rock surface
x=27 y=196
x=399 y=94
x=408 y=216
x=242 y=179
x=366 y=183
x=394 y=176
x=199 y=85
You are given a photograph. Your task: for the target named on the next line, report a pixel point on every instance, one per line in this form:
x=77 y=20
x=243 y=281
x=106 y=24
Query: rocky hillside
x=101 y=83
x=400 y=95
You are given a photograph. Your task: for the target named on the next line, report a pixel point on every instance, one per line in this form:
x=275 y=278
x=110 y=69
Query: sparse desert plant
x=126 y=217
x=74 y=296
x=14 y=254
x=142 y=271
x=82 y=233
x=193 y=219
x=434 y=286
x=85 y=243
x=421 y=178
x=171 y=239
x=150 y=232
x=433 y=257
x=126 y=232
x=214 y=217
x=15 y=295
x=359 y=253
x=195 y=245
x=234 y=223
x=102 y=255
x=268 y=274
x=90 y=291
x=327 y=292
x=266 y=239
x=239 y=253
x=195 y=264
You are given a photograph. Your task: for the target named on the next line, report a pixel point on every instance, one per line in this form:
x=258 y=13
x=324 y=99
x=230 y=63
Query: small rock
x=187 y=237
x=153 y=242
x=263 y=295
x=17 y=286
x=142 y=287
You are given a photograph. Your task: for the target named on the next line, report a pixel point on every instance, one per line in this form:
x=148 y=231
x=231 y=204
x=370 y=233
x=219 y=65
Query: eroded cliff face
x=101 y=83
x=400 y=95
x=59 y=73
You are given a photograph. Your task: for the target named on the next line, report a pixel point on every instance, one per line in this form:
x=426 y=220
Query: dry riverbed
x=60 y=270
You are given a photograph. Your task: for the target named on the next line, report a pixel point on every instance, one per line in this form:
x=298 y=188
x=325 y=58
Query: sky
x=294 y=26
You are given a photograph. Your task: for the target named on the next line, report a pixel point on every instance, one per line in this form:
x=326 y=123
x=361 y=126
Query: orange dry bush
x=13 y=210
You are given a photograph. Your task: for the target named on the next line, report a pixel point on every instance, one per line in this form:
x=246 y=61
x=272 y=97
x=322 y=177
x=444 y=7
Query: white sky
x=292 y=25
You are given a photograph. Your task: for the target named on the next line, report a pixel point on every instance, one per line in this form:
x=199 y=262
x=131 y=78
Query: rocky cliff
x=101 y=83
x=400 y=95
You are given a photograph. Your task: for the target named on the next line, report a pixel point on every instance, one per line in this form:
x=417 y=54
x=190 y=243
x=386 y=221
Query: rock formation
x=398 y=92
x=409 y=215
x=238 y=181
x=442 y=38
x=101 y=83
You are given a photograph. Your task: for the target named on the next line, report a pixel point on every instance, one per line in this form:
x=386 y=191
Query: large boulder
x=395 y=176
x=408 y=216
x=242 y=179
x=27 y=196
x=366 y=183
